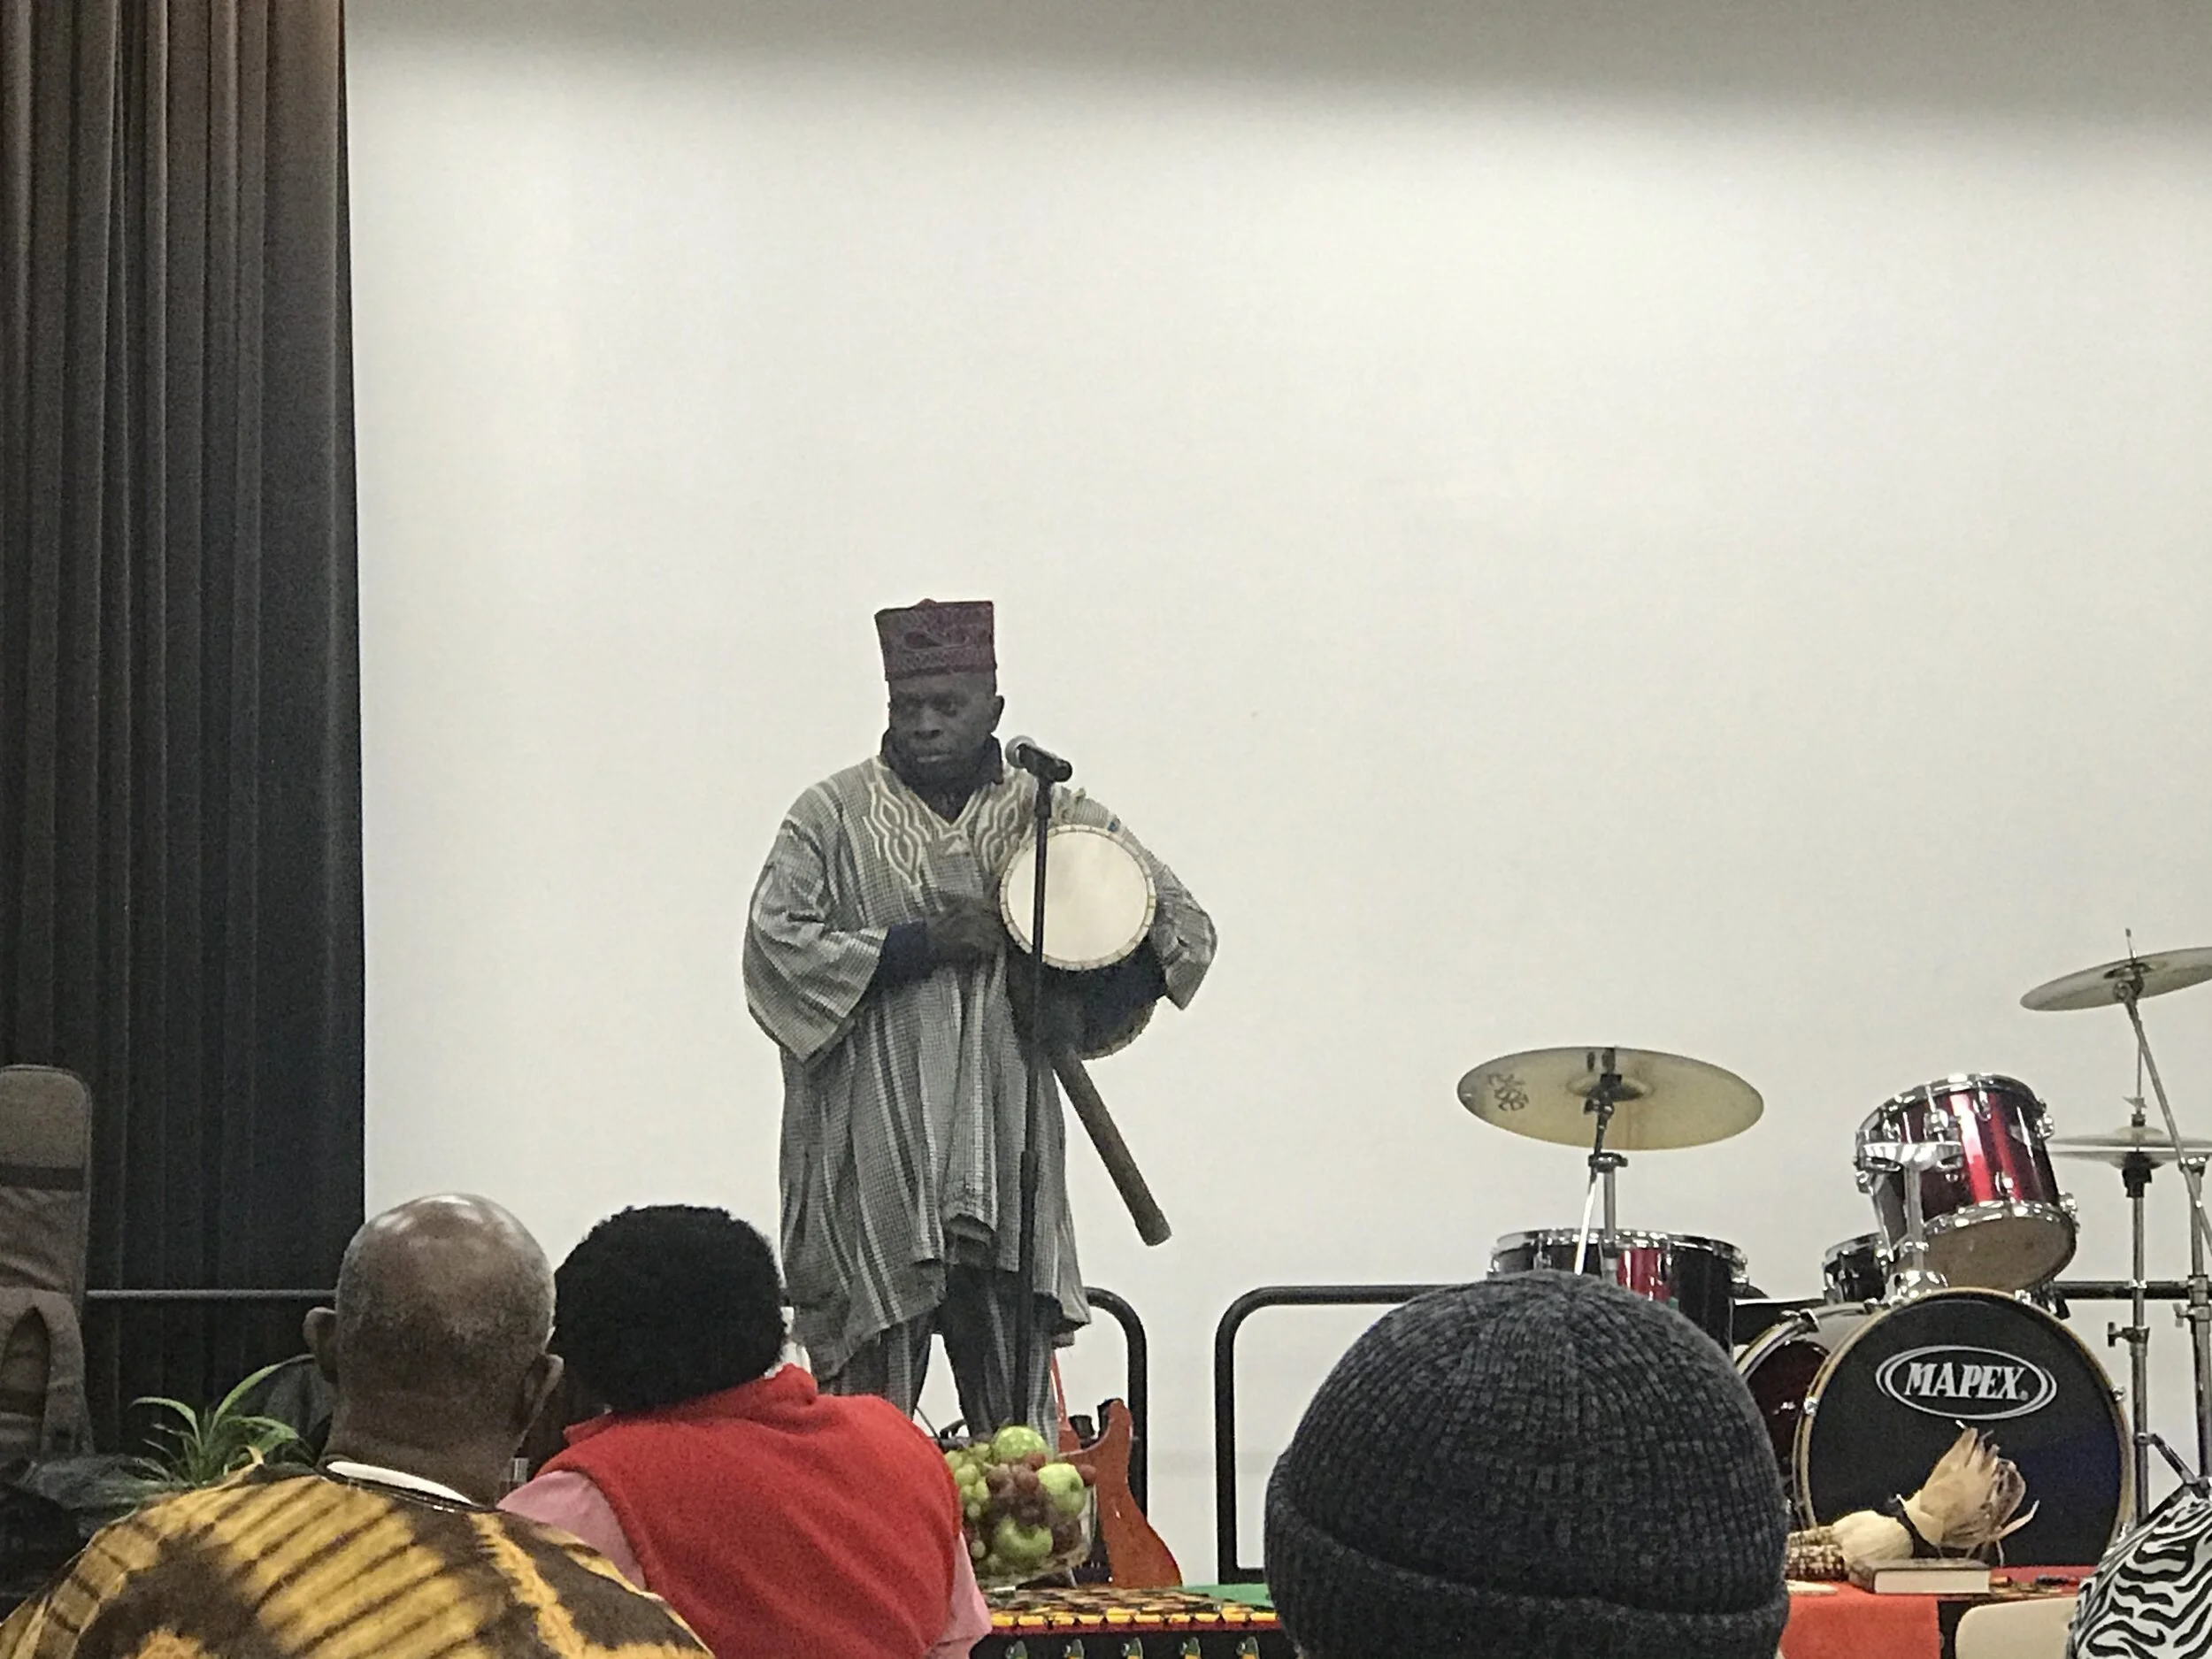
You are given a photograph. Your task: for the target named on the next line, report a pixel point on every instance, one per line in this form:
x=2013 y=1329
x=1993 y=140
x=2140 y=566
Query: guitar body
x=1136 y=1556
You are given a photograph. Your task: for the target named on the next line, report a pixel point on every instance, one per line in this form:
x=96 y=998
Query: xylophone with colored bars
x=1104 y=1622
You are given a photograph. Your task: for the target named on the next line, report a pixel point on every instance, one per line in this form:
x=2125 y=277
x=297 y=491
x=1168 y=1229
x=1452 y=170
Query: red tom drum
x=1996 y=1220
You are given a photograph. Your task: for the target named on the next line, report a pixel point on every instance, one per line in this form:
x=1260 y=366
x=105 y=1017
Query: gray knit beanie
x=1540 y=1464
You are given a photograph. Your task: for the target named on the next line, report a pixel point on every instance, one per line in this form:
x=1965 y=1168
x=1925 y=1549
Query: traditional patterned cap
x=931 y=638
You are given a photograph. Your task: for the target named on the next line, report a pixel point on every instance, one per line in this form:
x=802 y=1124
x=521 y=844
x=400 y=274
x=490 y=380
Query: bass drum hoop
x=1016 y=891
x=1801 y=1463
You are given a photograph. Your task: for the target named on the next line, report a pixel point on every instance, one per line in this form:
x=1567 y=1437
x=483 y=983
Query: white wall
x=1678 y=526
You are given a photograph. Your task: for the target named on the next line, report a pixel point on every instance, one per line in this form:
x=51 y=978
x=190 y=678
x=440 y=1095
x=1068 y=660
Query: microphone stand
x=1033 y=1119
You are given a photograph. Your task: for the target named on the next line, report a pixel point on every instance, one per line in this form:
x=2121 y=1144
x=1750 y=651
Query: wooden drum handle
x=1113 y=1151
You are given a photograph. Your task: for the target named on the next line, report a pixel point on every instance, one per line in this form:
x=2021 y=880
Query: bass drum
x=1861 y=1402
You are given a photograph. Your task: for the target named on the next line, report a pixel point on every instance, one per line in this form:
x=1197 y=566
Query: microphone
x=1042 y=763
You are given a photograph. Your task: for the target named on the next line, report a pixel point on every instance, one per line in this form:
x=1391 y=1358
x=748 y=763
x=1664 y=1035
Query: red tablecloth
x=1854 y=1623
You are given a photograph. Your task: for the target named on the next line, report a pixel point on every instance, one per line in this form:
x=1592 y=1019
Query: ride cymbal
x=2116 y=981
x=1664 y=1100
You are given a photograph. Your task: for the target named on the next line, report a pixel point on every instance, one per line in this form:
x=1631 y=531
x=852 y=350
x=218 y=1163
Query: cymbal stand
x=2130 y=988
x=2197 y=1315
x=1603 y=1097
x=2135 y=1175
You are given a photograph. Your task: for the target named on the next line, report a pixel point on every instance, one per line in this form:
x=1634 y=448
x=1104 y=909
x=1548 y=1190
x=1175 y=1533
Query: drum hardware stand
x=2197 y=1315
x=1032 y=1119
x=1910 y=1275
x=2135 y=1174
x=1603 y=1097
x=2190 y=1480
x=2130 y=988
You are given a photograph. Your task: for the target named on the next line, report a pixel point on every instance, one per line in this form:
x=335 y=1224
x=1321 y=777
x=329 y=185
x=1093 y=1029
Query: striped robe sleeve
x=805 y=976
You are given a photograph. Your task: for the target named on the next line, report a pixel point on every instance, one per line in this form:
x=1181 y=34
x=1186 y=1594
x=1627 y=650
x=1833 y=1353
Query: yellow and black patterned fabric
x=291 y=1564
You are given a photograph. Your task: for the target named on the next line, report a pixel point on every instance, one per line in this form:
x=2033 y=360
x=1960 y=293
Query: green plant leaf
x=228 y=1405
x=198 y=1448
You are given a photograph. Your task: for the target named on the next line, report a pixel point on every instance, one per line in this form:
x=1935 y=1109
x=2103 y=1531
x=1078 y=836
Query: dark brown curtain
x=179 y=771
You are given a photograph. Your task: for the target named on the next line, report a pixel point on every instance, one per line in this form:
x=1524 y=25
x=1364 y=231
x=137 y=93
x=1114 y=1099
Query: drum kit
x=1949 y=1313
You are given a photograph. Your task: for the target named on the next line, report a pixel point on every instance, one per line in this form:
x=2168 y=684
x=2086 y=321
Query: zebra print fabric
x=2151 y=1597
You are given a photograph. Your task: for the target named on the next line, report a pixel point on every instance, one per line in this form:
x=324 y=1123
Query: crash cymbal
x=2116 y=1148
x=1666 y=1100
x=2099 y=987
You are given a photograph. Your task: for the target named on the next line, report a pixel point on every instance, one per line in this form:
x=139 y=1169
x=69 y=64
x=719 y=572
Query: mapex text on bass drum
x=1860 y=1402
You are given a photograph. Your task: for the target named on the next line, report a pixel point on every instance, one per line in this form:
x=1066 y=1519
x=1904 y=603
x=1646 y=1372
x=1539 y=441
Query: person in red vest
x=777 y=1520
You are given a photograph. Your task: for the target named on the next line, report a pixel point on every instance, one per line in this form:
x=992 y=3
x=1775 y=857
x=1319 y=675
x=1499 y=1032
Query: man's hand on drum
x=963 y=932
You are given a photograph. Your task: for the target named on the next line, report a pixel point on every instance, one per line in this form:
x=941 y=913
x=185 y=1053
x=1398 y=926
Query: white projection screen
x=1681 y=525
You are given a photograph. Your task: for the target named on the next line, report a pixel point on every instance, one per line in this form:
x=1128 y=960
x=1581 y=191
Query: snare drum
x=1696 y=1276
x=1861 y=1402
x=1857 y=1270
x=1996 y=1219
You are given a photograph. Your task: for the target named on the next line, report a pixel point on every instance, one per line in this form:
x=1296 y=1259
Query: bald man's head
x=447 y=1298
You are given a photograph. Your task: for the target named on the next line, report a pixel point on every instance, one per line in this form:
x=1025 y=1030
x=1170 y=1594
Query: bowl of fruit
x=1026 y=1513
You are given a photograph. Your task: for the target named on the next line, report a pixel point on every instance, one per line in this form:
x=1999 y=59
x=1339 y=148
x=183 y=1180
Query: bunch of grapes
x=1023 y=1509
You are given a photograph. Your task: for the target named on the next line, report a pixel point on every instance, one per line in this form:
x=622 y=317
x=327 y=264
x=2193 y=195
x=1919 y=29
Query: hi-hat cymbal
x=1666 y=1100
x=2113 y=981
x=2116 y=1148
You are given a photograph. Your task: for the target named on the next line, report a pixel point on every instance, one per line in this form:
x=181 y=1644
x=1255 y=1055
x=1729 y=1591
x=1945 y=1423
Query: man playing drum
x=876 y=958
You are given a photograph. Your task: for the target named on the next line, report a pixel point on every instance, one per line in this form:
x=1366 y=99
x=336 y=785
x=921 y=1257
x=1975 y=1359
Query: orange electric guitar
x=1135 y=1555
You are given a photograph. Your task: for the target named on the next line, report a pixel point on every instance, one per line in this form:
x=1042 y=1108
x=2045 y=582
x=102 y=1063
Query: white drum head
x=1098 y=899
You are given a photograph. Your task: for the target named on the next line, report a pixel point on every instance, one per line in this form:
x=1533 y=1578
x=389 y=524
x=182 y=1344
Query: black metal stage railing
x=216 y=1298
x=1228 y=1568
x=116 y=1304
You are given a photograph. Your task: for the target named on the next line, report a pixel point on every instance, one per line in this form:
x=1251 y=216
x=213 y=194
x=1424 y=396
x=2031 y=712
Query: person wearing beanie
x=1541 y=1466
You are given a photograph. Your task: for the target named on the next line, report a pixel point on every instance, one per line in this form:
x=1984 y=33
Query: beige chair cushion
x=2016 y=1630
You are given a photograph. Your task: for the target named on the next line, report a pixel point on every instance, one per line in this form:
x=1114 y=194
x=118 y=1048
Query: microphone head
x=1027 y=755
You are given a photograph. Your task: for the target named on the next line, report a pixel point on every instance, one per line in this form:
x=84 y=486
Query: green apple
x=1064 y=1482
x=1014 y=1441
x=1020 y=1546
